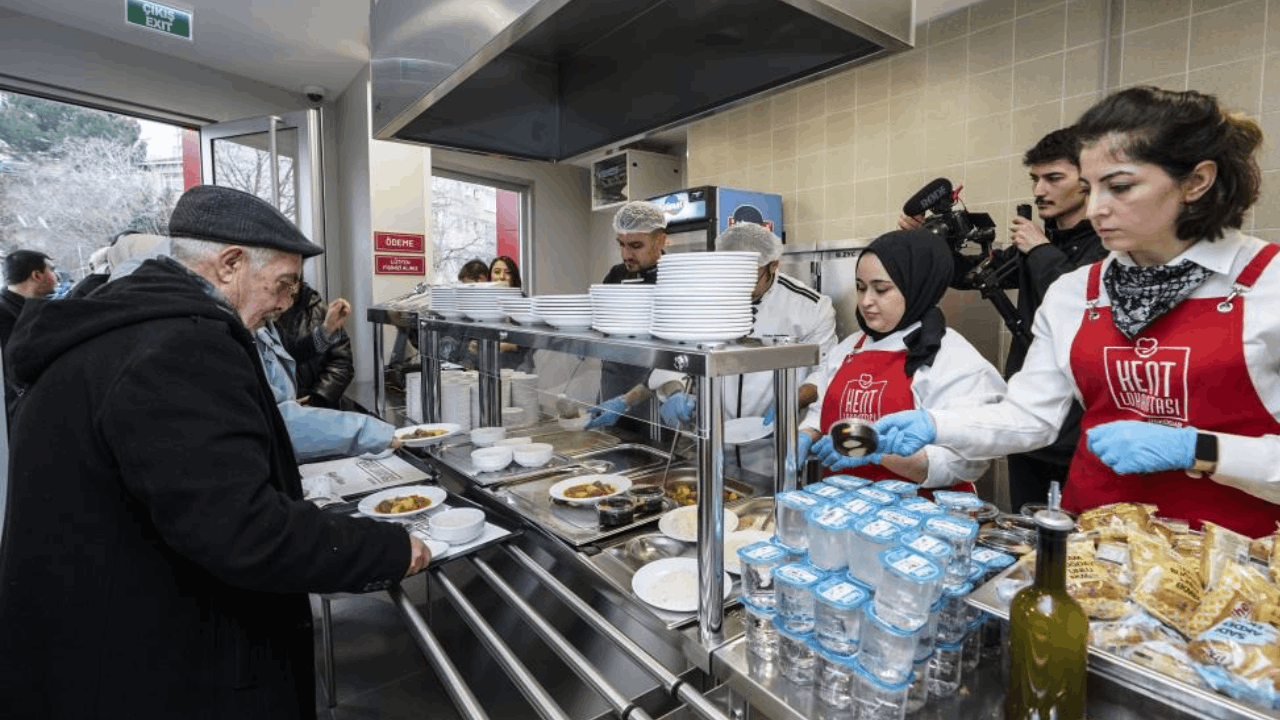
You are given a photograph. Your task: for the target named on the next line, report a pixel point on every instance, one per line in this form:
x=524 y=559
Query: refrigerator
x=695 y=216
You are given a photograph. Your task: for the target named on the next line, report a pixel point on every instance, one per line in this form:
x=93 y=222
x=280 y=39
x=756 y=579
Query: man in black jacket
x=313 y=334
x=157 y=552
x=27 y=274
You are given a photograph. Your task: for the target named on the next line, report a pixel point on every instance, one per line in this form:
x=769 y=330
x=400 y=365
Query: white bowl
x=490 y=459
x=513 y=441
x=575 y=423
x=486 y=436
x=457 y=525
x=532 y=454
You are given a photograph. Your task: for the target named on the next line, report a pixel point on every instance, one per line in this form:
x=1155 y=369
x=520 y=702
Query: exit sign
x=161 y=18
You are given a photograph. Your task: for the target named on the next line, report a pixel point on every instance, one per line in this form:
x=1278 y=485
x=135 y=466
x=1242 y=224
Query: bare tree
x=248 y=168
x=463 y=225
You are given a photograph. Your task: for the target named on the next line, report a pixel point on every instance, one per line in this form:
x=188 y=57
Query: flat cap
x=232 y=217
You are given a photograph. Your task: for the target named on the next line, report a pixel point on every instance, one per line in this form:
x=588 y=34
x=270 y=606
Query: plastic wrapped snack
x=1275 y=559
x=1097 y=593
x=1136 y=628
x=1171 y=591
x=1242 y=659
x=1118 y=517
x=1166 y=657
x=1219 y=547
x=1240 y=589
x=1260 y=549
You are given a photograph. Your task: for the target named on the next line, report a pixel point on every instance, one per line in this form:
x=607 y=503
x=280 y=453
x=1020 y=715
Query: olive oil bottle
x=1048 y=632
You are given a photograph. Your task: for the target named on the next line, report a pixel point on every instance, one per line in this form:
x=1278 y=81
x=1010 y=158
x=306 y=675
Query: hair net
x=748 y=237
x=639 y=216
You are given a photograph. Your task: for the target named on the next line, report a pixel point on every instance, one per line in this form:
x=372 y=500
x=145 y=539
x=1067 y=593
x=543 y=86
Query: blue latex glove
x=904 y=433
x=608 y=412
x=677 y=409
x=803 y=444
x=769 y=415
x=825 y=451
x=1132 y=446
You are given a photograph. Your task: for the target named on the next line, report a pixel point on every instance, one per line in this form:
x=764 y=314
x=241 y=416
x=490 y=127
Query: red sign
x=398 y=242
x=397 y=265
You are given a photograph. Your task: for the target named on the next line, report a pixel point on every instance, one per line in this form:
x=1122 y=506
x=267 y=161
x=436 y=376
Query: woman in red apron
x=1172 y=343
x=905 y=357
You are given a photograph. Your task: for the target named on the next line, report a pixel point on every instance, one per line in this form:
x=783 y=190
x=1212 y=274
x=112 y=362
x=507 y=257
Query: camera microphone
x=933 y=196
x=1024 y=211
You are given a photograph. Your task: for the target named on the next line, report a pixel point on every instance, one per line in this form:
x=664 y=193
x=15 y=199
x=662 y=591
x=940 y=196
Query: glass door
x=277 y=158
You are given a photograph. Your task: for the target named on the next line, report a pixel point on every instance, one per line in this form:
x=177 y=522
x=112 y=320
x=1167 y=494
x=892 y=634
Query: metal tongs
x=675 y=440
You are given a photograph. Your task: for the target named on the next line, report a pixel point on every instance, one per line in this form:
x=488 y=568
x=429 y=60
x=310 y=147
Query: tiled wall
x=980 y=87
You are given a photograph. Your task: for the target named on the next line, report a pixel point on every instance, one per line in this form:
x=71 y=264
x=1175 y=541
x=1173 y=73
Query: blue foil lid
x=799 y=499
x=827 y=493
x=881 y=531
x=847 y=482
x=920 y=506
x=977 y=571
x=951 y=592
x=978 y=621
x=860 y=506
x=840 y=593
x=910 y=565
x=927 y=545
x=878 y=497
x=902 y=518
x=949 y=646
x=897 y=487
x=869 y=611
x=781 y=627
x=951 y=527
x=830 y=517
x=798 y=575
x=875 y=679
x=832 y=657
x=751 y=607
x=761 y=552
x=957 y=500
x=993 y=559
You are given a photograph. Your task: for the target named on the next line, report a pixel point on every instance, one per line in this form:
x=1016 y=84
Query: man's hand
x=608 y=412
x=1026 y=235
x=419 y=556
x=304 y=400
x=396 y=442
x=338 y=312
x=910 y=222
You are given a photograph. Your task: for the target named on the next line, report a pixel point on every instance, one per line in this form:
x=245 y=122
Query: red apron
x=1185 y=369
x=869 y=385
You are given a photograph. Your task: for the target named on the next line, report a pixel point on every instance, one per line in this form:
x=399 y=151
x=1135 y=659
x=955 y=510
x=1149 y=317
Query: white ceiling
x=287 y=44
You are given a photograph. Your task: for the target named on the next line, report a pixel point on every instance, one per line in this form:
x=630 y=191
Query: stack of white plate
x=567 y=312
x=480 y=302
x=622 y=309
x=704 y=297
x=444 y=301
x=519 y=309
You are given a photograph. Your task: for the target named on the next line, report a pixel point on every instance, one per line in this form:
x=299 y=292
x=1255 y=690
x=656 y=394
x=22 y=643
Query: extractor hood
x=554 y=79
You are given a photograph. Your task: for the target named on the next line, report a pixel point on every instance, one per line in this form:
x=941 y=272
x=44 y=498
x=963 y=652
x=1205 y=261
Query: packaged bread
x=1136 y=628
x=1269 y=614
x=1146 y=551
x=1275 y=560
x=1240 y=589
x=1260 y=549
x=1099 y=595
x=1166 y=657
x=1120 y=517
x=1219 y=547
x=1113 y=560
x=1241 y=658
x=1171 y=591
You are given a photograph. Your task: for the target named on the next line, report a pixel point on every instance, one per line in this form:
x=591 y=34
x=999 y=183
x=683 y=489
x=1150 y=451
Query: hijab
x=920 y=264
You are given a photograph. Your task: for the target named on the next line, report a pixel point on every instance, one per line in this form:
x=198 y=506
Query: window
x=474 y=218
x=72 y=177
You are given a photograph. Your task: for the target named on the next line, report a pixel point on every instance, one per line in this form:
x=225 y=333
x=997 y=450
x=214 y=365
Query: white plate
x=744 y=430
x=620 y=484
x=696 y=337
x=526 y=318
x=449 y=428
x=740 y=539
x=671 y=584
x=682 y=523
x=435 y=494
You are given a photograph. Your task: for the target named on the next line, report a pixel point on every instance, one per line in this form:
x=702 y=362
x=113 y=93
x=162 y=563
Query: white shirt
x=1041 y=393
x=958 y=378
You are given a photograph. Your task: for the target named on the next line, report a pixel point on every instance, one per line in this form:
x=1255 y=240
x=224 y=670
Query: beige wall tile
x=784 y=109
x=1269 y=154
x=811 y=101
x=1084 y=70
x=872 y=158
x=1117 y=16
x=1266 y=213
x=991 y=48
x=1026 y=7
x=811 y=137
x=759 y=146
x=945 y=105
x=905 y=113
x=990 y=12
x=841 y=127
x=871 y=197
x=988 y=137
x=873 y=123
x=873 y=83
x=1176 y=82
x=1115 y=48
x=760 y=178
x=902 y=186
x=737 y=123
x=991 y=92
x=842 y=91
x=1037 y=81
x=906 y=151
x=1073 y=108
x=1032 y=123
x=1271 y=82
x=784 y=143
x=1226 y=35
x=948 y=27
x=1198 y=6
x=838 y=229
x=783 y=180
x=1238 y=85
x=1042 y=33
x=987 y=181
x=947 y=62
x=1156 y=52
x=1140 y=14
x=1273 y=27
x=811 y=171
x=945 y=145
x=811 y=205
x=842 y=164
x=1084 y=21
x=840 y=200
x=1019 y=185
x=804 y=233
x=760 y=117
x=907 y=71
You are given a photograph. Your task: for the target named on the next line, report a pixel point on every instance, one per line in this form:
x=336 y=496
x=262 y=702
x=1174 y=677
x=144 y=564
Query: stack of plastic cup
x=945 y=669
x=886 y=650
x=793 y=529
x=960 y=533
x=847 y=482
x=877 y=699
x=796 y=658
x=762 y=634
x=757 y=562
x=973 y=642
x=929 y=633
x=904 y=519
x=918 y=693
x=793 y=585
x=860 y=507
x=901 y=488
x=960 y=504
x=953 y=620
x=828 y=527
x=826 y=492
x=908 y=587
x=935 y=549
x=834 y=676
x=838 y=614
x=922 y=507
x=868 y=537
x=879 y=497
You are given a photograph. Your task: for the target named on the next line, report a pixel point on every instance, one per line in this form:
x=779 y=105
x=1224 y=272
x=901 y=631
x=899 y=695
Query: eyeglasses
x=287 y=287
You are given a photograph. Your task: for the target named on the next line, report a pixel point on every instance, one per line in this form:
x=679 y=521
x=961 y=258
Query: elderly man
x=781 y=305
x=156 y=552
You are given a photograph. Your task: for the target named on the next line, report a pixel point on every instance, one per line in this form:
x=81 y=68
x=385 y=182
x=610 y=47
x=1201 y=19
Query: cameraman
x=1068 y=242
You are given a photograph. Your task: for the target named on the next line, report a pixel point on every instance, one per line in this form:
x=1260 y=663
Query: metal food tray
x=577 y=525
x=572 y=442
x=458 y=457
x=1194 y=701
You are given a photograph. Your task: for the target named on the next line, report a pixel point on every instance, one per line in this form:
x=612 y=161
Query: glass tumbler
x=867 y=538
x=973 y=643
x=877 y=699
x=762 y=635
x=847 y=482
x=929 y=633
x=796 y=658
x=757 y=562
x=793 y=584
x=838 y=614
x=918 y=693
x=828 y=526
x=793 y=530
x=953 y=621
x=909 y=586
x=945 y=669
x=960 y=533
x=834 y=677
x=886 y=651
x=929 y=546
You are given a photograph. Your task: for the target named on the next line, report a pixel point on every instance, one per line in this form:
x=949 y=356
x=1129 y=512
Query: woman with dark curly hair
x=1171 y=343
x=503 y=269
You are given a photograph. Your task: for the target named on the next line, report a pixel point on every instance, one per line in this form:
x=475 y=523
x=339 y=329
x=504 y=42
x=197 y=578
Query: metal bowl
x=647 y=548
x=1014 y=542
x=853 y=437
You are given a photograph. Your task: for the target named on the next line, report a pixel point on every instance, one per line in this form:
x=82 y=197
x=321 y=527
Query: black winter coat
x=156 y=552
x=322 y=376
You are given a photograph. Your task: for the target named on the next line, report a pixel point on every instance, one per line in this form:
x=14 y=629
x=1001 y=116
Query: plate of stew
x=589 y=489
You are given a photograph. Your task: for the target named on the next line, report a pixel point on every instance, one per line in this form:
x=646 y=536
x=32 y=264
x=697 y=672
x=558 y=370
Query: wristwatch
x=1206 y=461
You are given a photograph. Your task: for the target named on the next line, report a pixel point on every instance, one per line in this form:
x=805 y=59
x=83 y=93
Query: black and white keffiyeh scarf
x=1141 y=295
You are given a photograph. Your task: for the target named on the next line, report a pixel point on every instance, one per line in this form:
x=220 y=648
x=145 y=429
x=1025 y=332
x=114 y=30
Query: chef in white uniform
x=782 y=305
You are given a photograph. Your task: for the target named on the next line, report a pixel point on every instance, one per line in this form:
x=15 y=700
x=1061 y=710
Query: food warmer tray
x=1163 y=689
x=577 y=525
x=458 y=457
